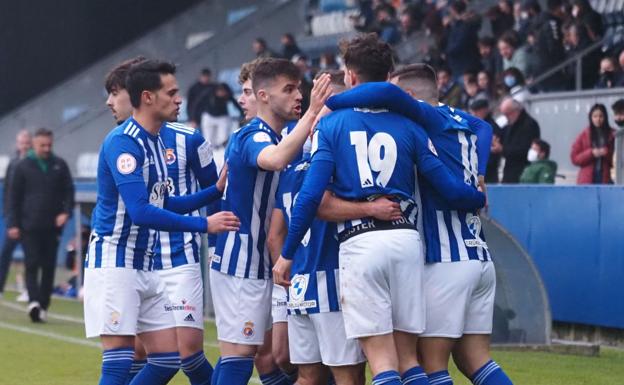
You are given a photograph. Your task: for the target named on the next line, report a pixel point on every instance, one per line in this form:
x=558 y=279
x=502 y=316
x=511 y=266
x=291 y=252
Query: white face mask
x=532 y=156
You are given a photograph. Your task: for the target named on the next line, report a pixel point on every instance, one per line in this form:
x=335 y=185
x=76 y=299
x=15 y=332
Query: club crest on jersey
x=432 y=147
x=298 y=287
x=170 y=156
x=115 y=320
x=474 y=226
x=261 y=137
x=248 y=329
x=126 y=163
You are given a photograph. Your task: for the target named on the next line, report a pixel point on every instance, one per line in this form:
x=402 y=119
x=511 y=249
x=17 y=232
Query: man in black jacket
x=518 y=134
x=41 y=198
x=22 y=145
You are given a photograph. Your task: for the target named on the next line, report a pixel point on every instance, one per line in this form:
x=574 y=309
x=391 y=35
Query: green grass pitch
x=57 y=353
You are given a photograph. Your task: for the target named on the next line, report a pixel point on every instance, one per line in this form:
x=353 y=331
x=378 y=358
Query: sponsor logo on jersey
x=126 y=163
x=170 y=156
x=248 y=329
x=298 y=288
x=474 y=226
x=189 y=318
x=261 y=137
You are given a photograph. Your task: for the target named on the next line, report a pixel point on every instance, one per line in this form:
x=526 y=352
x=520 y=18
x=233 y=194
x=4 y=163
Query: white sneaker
x=34 y=311
x=23 y=297
x=43 y=316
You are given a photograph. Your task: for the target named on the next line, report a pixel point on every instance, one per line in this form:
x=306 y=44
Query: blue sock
x=136 y=367
x=235 y=370
x=490 y=374
x=197 y=369
x=216 y=372
x=276 y=377
x=415 y=376
x=440 y=378
x=390 y=377
x=160 y=369
x=116 y=365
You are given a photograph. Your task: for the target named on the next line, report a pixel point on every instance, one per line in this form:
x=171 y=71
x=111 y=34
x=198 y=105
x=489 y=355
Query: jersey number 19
x=379 y=155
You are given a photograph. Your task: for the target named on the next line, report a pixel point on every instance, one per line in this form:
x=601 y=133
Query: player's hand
x=222 y=178
x=482 y=187
x=320 y=93
x=61 y=219
x=223 y=221
x=384 y=209
x=281 y=272
x=14 y=233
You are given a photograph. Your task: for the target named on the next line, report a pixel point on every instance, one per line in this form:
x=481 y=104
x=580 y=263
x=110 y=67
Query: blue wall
x=575 y=235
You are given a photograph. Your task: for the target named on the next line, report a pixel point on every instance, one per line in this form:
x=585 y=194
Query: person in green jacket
x=541 y=169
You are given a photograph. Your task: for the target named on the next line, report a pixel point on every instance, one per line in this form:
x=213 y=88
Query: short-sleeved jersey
x=250 y=195
x=189 y=163
x=128 y=154
x=452 y=235
x=314 y=273
x=374 y=153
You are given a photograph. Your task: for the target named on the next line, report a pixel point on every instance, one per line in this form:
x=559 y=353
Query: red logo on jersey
x=248 y=329
x=170 y=156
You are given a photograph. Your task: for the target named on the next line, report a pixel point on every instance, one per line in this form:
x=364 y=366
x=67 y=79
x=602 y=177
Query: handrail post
x=619 y=157
x=579 y=73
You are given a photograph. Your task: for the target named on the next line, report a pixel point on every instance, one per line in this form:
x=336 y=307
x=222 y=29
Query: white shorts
x=381 y=283
x=279 y=308
x=120 y=301
x=321 y=337
x=242 y=308
x=185 y=289
x=460 y=298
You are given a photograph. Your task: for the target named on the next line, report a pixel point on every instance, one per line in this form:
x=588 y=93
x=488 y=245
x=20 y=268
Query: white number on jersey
x=369 y=157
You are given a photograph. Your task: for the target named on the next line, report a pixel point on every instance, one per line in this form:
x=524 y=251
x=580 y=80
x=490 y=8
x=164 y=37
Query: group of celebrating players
x=346 y=235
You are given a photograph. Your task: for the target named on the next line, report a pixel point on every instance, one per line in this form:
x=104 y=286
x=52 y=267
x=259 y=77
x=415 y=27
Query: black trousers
x=6 y=256
x=40 y=247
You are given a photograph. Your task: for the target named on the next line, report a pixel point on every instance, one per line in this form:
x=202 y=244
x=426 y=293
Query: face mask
x=620 y=123
x=510 y=81
x=532 y=155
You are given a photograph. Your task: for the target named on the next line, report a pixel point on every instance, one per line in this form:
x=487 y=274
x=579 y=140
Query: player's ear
x=147 y=98
x=262 y=95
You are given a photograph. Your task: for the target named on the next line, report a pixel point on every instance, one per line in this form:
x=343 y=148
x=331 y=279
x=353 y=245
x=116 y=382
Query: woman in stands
x=593 y=149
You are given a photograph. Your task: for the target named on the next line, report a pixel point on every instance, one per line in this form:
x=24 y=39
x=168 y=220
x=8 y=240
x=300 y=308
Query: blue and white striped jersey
x=129 y=153
x=189 y=163
x=453 y=235
x=250 y=194
x=314 y=273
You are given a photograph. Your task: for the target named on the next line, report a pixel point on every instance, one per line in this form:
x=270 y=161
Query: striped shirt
x=314 y=274
x=189 y=163
x=250 y=194
x=129 y=153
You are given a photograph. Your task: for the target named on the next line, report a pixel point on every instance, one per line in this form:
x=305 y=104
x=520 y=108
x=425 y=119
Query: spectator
x=327 y=61
x=307 y=78
x=541 y=169
x=450 y=91
x=618 y=113
x=513 y=54
x=491 y=60
x=514 y=84
x=485 y=83
x=41 y=199
x=410 y=20
x=588 y=18
x=261 y=49
x=471 y=92
x=518 y=134
x=527 y=10
x=198 y=90
x=481 y=109
x=212 y=113
x=610 y=75
x=387 y=25
x=501 y=17
x=462 y=53
x=549 y=45
x=576 y=41
x=22 y=145
x=592 y=150
x=621 y=59
x=289 y=46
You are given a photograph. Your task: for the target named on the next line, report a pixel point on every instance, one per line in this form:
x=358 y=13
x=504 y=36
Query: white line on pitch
x=59 y=317
x=60 y=337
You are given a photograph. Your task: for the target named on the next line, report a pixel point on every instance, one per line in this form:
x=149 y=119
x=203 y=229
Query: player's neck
x=275 y=122
x=148 y=123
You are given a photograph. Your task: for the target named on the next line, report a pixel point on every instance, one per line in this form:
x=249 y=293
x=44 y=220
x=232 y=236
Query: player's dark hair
x=420 y=78
x=145 y=76
x=43 y=132
x=544 y=147
x=269 y=69
x=337 y=76
x=618 y=106
x=115 y=80
x=368 y=56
